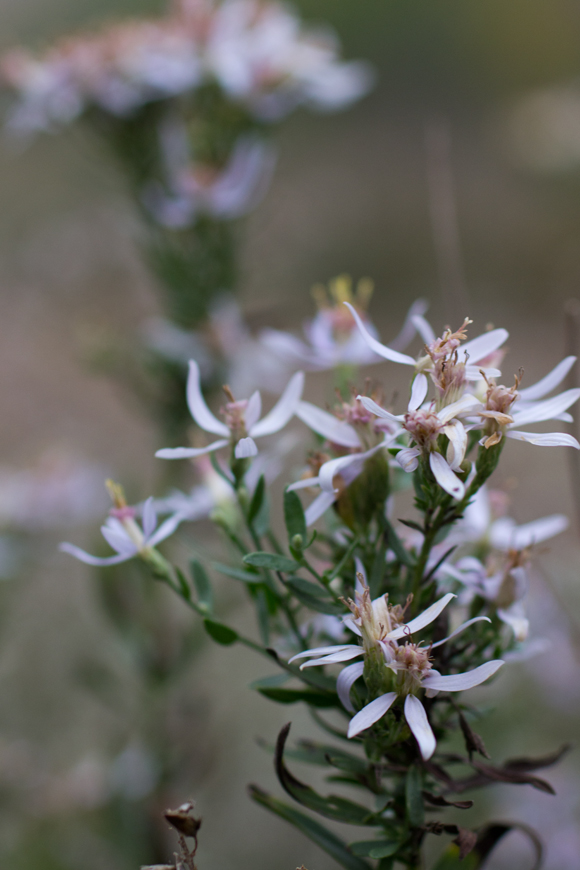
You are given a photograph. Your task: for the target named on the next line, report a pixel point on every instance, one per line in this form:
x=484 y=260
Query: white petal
x=196 y=403
x=371 y=714
x=305 y=483
x=544 y=439
x=345 y=681
x=328 y=426
x=457 y=446
x=549 y=382
x=351 y=625
x=378 y=411
x=94 y=560
x=408 y=458
x=545 y=410
x=283 y=410
x=344 y=655
x=380 y=349
x=505 y=535
x=424 y=329
x=119 y=540
x=189 y=452
x=253 y=410
x=419 y=390
x=445 y=477
x=473 y=373
x=466 y=403
x=461 y=682
x=480 y=347
x=149 y=517
x=245 y=448
x=318 y=507
x=426 y=618
x=408 y=330
x=322 y=650
x=286 y=346
x=165 y=529
x=330 y=469
x=515 y=617
x=461 y=628
x=419 y=725
x=360 y=569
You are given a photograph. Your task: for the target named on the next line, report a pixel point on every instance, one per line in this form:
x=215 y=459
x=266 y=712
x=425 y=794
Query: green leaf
x=293 y=696
x=257 y=499
x=222 y=634
x=312 y=829
x=396 y=545
x=333 y=806
x=237 y=573
x=263 y=615
x=183 y=585
x=314 y=597
x=270 y=682
x=375 y=848
x=271 y=561
x=202 y=585
x=450 y=860
x=413 y=797
x=294 y=516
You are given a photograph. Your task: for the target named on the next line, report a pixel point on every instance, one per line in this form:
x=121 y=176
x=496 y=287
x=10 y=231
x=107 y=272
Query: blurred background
x=476 y=97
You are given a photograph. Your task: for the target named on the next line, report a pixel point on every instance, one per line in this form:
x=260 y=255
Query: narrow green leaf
x=222 y=634
x=183 y=585
x=202 y=585
x=263 y=615
x=314 y=597
x=413 y=797
x=271 y=561
x=294 y=516
x=293 y=696
x=377 y=571
x=257 y=499
x=375 y=848
x=237 y=573
x=397 y=546
x=312 y=829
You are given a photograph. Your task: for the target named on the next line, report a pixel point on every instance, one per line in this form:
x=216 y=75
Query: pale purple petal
x=457 y=446
x=419 y=725
x=345 y=681
x=378 y=411
x=424 y=328
x=461 y=628
x=380 y=349
x=318 y=507
x=505 y=535
x=466 y=403
x=408 y=330
x=305 y=483
x=94 y=560
x=197 y=406
x=245 y=448
x=323 y=650
x=286 y=346
x=544 y=439
x=461 y=682
x=149 y=517
x=253 y=409
x=545 y=410
x=473 y=373
x=190 y=452
x=283 y=410
x=549 y=382
x=344 y=655
x=446 y=479
x=351 y=625
x=426 y=618
x=515 y=617
x=419 y=390
x=118 y=539
x=165 y=529
x=480 y=347
x=408 y=458
x=336 y=431
x=371 y=713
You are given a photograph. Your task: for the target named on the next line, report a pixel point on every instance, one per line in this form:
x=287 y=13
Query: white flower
x=381 y=626
x=332 y=338
x=126 y=537
x=243 y=423
x=192 y=189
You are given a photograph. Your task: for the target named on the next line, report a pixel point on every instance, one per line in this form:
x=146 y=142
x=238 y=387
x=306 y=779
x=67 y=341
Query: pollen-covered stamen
x=450 y=379
x=370 y=429
x=448 y=344
x=331 y=303
x=425 y=427
x=234 y=413
x=498 y=403
x=411 y=663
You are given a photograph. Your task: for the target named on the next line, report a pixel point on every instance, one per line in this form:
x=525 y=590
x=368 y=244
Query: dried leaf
x=438 y=800
x=473 y=742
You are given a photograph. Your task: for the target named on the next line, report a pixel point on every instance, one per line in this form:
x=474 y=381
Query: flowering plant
x=412 y=611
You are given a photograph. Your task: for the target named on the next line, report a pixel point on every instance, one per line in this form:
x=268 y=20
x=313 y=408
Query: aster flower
x=331 y=337
x=406 y=668
x=242 y=418
x=122 y=532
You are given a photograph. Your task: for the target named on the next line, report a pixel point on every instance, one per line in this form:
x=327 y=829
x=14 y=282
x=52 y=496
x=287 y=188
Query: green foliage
x=272 y=561
x=202 y=586
x=222 y=634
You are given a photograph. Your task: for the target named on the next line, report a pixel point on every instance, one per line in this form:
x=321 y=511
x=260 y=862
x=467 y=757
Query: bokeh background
x=351 y=194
